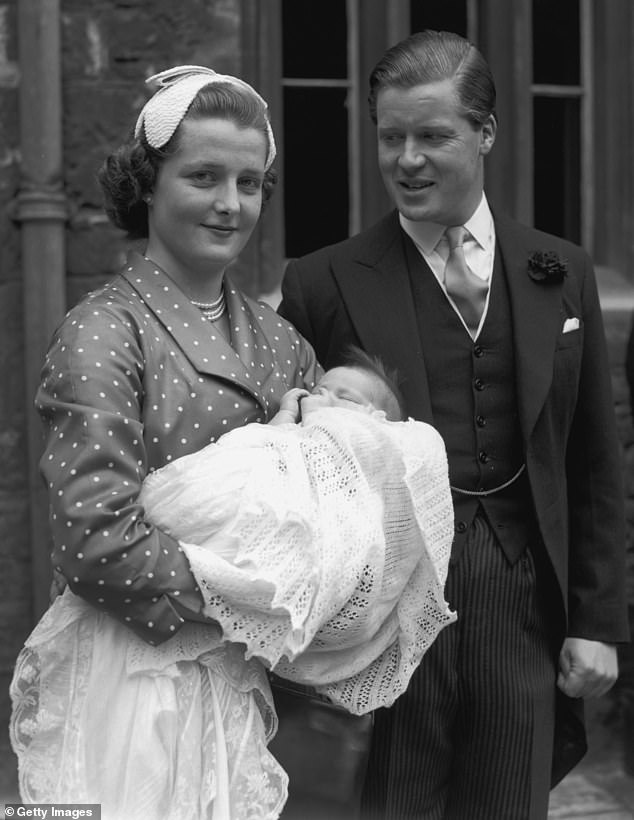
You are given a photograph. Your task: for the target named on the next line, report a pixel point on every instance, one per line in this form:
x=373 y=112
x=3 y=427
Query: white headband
x=162 y=113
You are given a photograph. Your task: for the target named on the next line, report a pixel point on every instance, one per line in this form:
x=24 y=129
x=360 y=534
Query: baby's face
x=343 y=387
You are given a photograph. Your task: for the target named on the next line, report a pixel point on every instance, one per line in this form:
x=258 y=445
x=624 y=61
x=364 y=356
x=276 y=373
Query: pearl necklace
x=212 y=311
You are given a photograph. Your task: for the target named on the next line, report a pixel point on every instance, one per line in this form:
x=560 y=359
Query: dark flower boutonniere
x=547 y=267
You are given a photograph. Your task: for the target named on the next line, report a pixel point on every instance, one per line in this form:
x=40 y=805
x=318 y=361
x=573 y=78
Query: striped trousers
x=472 y=737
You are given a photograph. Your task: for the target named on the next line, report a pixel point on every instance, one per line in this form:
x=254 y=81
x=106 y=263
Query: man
x=497 y=333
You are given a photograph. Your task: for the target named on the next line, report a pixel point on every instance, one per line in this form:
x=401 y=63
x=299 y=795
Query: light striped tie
x=467 y=290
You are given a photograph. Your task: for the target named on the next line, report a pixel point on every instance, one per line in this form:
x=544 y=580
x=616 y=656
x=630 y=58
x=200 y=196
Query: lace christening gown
x=321 y=551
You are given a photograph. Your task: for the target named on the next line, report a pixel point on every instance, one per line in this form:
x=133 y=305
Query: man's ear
x=487 y=134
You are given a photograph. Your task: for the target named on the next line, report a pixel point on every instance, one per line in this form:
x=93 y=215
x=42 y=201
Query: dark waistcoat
x=474 y=406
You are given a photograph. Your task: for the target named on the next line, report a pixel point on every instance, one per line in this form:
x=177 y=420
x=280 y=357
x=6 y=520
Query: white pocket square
x=571 y=324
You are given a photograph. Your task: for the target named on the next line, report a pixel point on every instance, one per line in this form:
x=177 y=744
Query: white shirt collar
x=426 y=235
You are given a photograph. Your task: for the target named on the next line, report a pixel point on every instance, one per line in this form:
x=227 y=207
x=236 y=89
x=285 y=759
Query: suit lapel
x=537 y=320
x=376 y=289
x=192 y=333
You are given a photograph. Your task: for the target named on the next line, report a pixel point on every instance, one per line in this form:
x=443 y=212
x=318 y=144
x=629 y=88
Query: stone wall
x=15 y=618
x=109 y=48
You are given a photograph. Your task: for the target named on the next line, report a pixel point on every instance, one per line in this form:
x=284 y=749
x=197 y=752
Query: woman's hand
x=290 y=411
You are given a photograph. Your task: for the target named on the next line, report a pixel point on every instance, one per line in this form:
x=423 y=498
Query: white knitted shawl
x=323 y=547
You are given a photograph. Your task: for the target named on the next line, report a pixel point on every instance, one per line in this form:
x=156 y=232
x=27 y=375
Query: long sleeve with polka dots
x=134 y=378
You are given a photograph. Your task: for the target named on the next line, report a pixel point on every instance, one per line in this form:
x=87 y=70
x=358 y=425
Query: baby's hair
x=358 y=359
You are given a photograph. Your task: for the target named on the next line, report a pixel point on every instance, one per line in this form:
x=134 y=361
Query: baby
x=315 y=538
x=361 y=383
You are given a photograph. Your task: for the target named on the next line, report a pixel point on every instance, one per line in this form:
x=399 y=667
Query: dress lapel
x=255 y=346
x=208 y=351
x=537 y=320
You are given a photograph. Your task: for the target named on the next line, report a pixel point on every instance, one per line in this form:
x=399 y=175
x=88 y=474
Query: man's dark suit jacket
x=358 y=292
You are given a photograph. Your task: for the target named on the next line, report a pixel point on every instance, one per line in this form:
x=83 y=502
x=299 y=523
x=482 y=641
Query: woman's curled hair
x=128 y=175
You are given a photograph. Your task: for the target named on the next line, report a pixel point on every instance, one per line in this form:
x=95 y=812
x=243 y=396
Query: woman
x=157 y=364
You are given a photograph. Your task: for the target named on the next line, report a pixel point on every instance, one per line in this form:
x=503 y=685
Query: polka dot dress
x=136 y=377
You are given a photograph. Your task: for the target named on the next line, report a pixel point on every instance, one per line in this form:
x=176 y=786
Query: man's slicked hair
x=431 y=56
